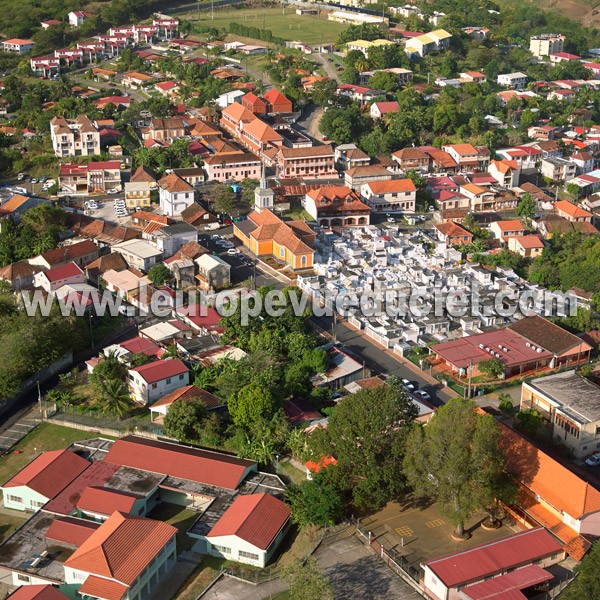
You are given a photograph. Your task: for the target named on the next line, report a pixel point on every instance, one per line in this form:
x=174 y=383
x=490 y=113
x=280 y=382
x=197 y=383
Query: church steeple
x=263 y=196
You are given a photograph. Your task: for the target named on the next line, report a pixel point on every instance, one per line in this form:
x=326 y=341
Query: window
x=222 y=549
x=282 y=252
x=249 y=555
x=181 y=376
x=17 y=499
x=21 y=577
x=168 y=381
x=154 y=386
x=36 y=504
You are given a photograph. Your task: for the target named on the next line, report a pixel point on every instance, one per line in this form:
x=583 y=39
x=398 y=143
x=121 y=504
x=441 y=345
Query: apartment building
x=17 y=46
x=546 y=44
x=78 y=180
x=396 y=195
x=74 y=137
x=236 y=167
x=513 y=80
x=314 y=162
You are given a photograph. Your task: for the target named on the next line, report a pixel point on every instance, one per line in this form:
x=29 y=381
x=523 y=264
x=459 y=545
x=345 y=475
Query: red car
x=228 y=222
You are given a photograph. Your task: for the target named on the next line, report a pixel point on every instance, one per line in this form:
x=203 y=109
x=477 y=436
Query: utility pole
x=470 y=378
x=39 y=396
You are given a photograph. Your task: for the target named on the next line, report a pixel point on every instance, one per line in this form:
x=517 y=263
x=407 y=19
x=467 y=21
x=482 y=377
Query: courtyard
x=417 y=531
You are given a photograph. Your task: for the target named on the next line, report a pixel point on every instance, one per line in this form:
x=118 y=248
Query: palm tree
x=362 y=64
x=115 y=398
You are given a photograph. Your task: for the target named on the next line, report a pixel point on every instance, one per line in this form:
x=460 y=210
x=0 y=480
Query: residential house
x=175 y=194
x=358 y=93
x=153 y=380
x=165 y=128
x=184 y=394
x=213 y=272
x=468 y=156
x=138 y=194
x=135 y=80
x=434 y=41
x=42 y=479
x=343 y=369
x=541 y=132
x=336 y=206
x=19 y=275
x=45 y=66
x=170 y=238
x=74 y=137
x=277 y=103
x=412 y=158
x=357 y=176
x=480 y=199
x=395 y=195
x=314 y=162
x=250 y=530
x=584 y=161
x=404 y=76
x=78 y=17
x=502 y=230
x=255 y=104
x=559 y=57
x=198 y=216
x=558 y=169
x=452 y=234
x=224 y=100
x=571 y=212
x=80 y=253
x=546 y=44
x=82 y=179
x=53 y=279
x=96 y=269
x=506 y=566
x=566 y=401
x=139 y=254
x=17 y=45
x=126 y=557
x=237 y=167
x=365 y=45
x=472 y=77
x=193 y=175
x=40 y=591
x=517 y=80
x=505 y=172
x=380 y=109
x=528 y=246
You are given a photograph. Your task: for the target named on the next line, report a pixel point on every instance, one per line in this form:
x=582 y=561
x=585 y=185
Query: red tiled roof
x=391 y=186
x=255 y=518
x=104 y=501
x=203 y=466
x=451 y=229
x=140 y=344
x=69 y=270
x=98 y=473
x=71 y=530
x=508 y=586
x=189 y=392
x=494 y=557
x=99 y=587
x=50 y=472
x=571 y=210
x=65 y=254
x=511 y=225
x=38 y=592
x=161 y=369
x=121 y=548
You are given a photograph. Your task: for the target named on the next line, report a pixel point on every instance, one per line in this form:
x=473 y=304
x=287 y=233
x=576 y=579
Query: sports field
x=289 y=26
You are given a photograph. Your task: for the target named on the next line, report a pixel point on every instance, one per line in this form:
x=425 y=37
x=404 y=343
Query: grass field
x=45 y=436
x=289 y=26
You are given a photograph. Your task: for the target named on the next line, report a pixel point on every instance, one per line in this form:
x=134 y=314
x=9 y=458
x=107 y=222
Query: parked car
x=113 y=191
x=594 y=460
x=408 y=385
x=422 y=394
x=34 y=180
x=215 y=236
x=20 y=176
x=43 y=179
x=233 y=251
x=391 y=220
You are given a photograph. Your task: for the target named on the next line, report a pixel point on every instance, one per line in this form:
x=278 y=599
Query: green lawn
x=45 y=436
x=8 y=523
x=201 y=578
x=289 y=26
x=181 y=518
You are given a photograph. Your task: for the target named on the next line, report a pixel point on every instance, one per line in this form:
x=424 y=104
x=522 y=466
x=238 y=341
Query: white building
x=153 y=380
x=74 y=137
x=18 y=46
x=249 y=531
x=172 y=237
x=42 y=479
x=78 y=17
x=224 y=100
x=546 y=44
x=139 y=253
x=396 y=195
x=175 y=194
x=513 y=80
x=53 y=279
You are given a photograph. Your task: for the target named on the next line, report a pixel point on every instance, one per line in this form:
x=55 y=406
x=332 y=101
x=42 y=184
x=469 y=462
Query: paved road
x=114 y=89
x=328 y=66
x=310 y=121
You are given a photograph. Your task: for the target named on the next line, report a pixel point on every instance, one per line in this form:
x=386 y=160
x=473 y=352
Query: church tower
x=264 y=197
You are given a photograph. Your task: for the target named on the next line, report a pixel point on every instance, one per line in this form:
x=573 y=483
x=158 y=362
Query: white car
x=233 y=251
x=408 y=385
x=594 y=460
x=113 y=191
x=215 y=236
x=422 y=394
x=20 y=176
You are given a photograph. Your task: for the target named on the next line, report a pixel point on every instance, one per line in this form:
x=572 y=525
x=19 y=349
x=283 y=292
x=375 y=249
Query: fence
x=99 y=428
x=397 y=563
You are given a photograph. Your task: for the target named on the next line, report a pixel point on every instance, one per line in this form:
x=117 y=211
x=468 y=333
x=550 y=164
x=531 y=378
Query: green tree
x=573 y=190
x=526 y=207
x=587 y=583
x=139 y=359
x=455 y=460
x=315 y=502
x=114 y=398
x=368 y=444
x=529 y=421
x=185 y=419
x=225 y=199
x=251 y=403
x=492 y=367
x=323 y=92
x=159 y=274
x=307 y=582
